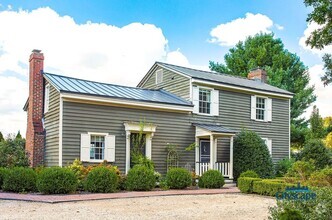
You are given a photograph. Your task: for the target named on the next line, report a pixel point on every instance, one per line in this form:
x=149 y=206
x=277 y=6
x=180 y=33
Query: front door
x=204 y=151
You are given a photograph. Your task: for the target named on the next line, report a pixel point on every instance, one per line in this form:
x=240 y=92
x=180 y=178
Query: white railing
x=224 y=168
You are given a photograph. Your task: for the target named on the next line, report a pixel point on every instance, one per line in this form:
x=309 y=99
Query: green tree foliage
x=1 y=137
x=251 y=153
x=18 y=136
x=285 y=70
x=12 y=153
x=321 y=37
x=315 y=150
x=316 y=124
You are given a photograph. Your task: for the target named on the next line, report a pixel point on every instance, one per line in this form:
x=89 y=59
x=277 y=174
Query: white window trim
x=161 y=76
x=265 y=111
x=211 y=100
x=97 y=134
x=47 y=98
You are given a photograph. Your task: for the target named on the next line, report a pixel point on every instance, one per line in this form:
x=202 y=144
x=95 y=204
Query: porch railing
x=222 y=167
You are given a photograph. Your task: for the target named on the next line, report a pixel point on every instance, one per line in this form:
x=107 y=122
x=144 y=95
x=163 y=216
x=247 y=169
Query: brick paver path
x=119 y=195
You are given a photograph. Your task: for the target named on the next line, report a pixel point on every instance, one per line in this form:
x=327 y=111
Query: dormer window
x=159 y=76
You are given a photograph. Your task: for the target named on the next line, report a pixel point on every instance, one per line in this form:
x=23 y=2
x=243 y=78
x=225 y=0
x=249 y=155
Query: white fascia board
x=241 y=88
x=89 y=98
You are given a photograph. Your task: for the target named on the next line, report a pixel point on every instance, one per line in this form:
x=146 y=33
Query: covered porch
x=206 y=138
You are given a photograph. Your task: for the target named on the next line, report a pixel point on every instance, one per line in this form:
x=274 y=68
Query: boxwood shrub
x=101 y=180
x=56 y=180
x=140 y=178
x=211 y=179
x=249 y=173
x=245 y=184
x=19 y=179
x=178 y=178
x=269 y=187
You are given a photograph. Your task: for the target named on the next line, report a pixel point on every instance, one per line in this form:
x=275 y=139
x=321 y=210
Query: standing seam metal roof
x=224 y=78
x=80 y=86
x=214 y=128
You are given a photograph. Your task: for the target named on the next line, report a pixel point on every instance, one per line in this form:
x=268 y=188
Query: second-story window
x=204 y=101
x=260 y=108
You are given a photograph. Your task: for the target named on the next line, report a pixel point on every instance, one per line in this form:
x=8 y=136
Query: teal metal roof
x=225 y=79
x=80 y=86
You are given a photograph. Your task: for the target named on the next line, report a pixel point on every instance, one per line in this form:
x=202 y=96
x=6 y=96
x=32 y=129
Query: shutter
x=196 y=99
x=268 y=109
x=253 y=107
x=110 y=148
x=215 y=102
x=85 y=147
x=269 y=145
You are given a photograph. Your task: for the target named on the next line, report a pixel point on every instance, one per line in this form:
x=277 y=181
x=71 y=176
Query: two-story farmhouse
x=72 y=118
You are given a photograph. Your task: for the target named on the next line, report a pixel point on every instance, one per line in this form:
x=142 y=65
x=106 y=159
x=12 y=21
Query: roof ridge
x=110 y=84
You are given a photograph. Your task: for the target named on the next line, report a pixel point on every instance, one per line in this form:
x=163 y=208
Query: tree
x=285 y=70
x=316 y=124
x=18 y=136
x=321 y=37
x=315 y=150
x=12 y=153
x=1 y=137
x=328 y=140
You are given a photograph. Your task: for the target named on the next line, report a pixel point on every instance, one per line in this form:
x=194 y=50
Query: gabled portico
x=206 y=138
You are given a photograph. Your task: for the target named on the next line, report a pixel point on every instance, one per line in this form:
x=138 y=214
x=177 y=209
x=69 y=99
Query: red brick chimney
x=35 y=131
x=258 y=74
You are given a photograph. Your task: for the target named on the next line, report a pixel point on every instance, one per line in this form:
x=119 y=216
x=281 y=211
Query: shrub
x=56 y=180
x=301 y=170
x=283 y=166
x=321 y=178
x=319 y=208
x=101 y=180
x=211 y=179
x=178 y=178
x=245 y=184
x=315 y=150
x=12 y=153
x=249 y=173
x=290 y=214
x=140 y=178
x=251 y=153
x=3 y=172
x=122 y=182
x=19 y=179
x=269 y=187
x=80 y=172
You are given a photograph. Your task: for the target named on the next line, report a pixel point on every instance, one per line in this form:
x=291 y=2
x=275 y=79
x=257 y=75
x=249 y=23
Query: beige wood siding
x=52 y=129
x=172 y=82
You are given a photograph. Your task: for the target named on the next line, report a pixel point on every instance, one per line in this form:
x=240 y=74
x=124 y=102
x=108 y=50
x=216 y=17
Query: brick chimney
x=258 y=74
x=35 y=131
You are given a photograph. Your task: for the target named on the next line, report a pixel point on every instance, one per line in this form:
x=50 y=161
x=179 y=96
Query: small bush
x=301 y=170
x=211 y=179
x=140 y=178
x=249 y=173
x=251 y=153
x=3 y=172
x=19 y=179
x=122 y=182
x=321 y=178
x=101 y=180
x=178 y=178
x=56 y=180
x=269 y=187
x=245 y=184
x=283 y=166
x=315 y=150
x=290 y=214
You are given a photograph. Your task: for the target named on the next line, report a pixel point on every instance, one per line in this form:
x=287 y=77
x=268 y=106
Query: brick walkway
x=119 y=195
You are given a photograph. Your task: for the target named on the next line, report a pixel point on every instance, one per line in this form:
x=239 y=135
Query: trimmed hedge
x=140 y=178
x=249 y=173
x=19 y=179
x=56 y=180
x=178 y=178
x=211 y=179
x=245 y=184
x=101 y=180
x=269 y=187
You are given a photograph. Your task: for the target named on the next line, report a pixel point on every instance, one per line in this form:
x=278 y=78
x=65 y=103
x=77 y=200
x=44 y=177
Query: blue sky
x=105 y=40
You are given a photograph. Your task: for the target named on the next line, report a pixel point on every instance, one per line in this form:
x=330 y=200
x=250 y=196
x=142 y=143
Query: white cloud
x=323 y=101
x=237 y=30
x=279 y=27
x=177 y=58
x=310 y=28
x=95 y=51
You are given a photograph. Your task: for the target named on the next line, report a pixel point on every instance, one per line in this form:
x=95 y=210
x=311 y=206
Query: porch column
x=231 y=159
x=127 y=151
x=197 y=165
x=211 y=152
x=215 y=152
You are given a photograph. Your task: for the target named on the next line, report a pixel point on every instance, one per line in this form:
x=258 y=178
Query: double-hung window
x=97 y=147
x=204 y=101
x=260 y=108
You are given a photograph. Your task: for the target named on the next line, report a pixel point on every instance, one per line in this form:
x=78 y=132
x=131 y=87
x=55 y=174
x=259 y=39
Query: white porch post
x=231 y=159
x=127 y=151
x=215 y=152
x=197 y=160
x=148 y=145
x=211 y=152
